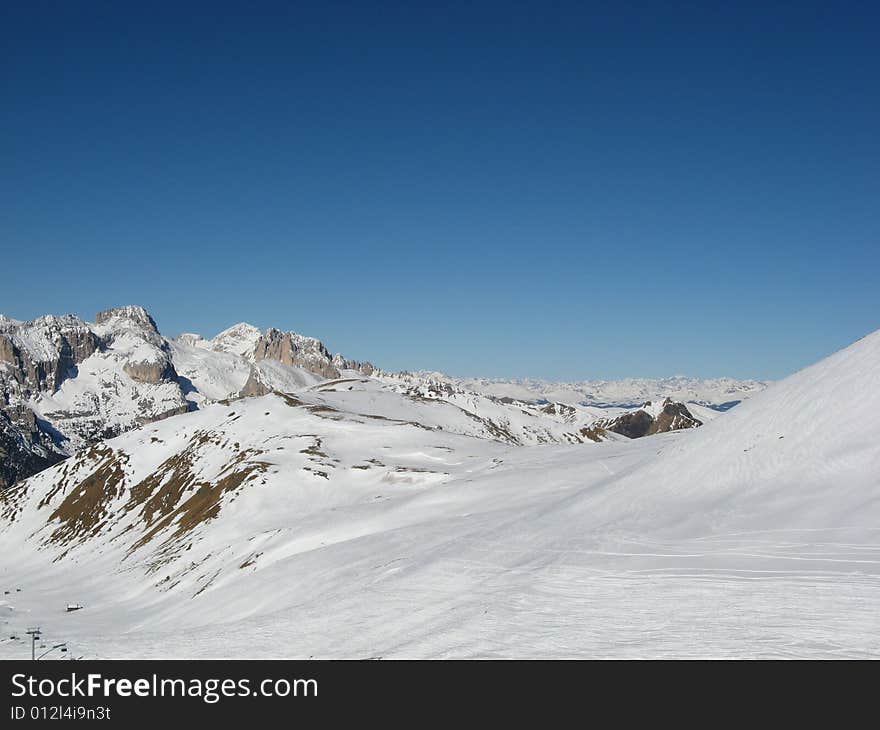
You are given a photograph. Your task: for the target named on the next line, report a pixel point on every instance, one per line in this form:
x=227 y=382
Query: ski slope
x=756 y=535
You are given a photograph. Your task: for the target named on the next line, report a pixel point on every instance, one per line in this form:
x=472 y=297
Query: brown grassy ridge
x=84 y=510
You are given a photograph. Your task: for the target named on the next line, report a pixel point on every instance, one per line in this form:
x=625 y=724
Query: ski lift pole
x=35 y=634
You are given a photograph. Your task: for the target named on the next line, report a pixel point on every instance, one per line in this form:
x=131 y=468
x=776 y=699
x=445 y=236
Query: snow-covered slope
x=239 y=339
x=208 y=375
x=343 y=522
x=803 y=455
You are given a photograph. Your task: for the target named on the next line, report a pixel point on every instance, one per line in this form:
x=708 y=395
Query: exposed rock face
x=253 y=386
x=40 y=353
x=593 y=433
x=23 y=451
x=85 y=381
x=560 y=409
x=632 y=425
x=35 y=357
x=66 y=383
x=673 y=417
x=291 y=348
x=146 y=358
x=150 y=372
x=651 y=418
x=132 y=313
x=364 y=368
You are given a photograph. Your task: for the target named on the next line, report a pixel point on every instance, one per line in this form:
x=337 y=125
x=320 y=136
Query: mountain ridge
x=66 y=383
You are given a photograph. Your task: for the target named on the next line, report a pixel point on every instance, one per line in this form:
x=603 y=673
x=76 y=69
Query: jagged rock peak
x=38 y=353
x=291 y=348
x=340 y=362
x=131 y=312
x=46 y=322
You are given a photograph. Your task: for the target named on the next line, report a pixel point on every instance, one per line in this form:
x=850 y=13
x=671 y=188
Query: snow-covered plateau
x=368 y=515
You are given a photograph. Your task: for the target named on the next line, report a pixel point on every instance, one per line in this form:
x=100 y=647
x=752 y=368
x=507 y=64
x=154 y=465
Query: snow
x=102 y=398
x=213 y=375
x=653 y=408
x=105 y=394
x=627 y=392
x=191 y=339
x=284 y=378
x=239 y=339
x=703 y=413
x=754 y=536
x=39 y=337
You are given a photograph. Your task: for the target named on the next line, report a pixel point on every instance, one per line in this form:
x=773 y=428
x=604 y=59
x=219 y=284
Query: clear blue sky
x=561 y=190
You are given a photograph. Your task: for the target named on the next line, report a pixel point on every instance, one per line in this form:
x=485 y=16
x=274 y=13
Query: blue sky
x=560 y=190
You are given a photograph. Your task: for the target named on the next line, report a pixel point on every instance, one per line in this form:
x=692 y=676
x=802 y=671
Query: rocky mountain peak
x=66 y=383
x=291 y=348
x=131 y=312
x=340 y=362
x=653 y=417
x=37 y=354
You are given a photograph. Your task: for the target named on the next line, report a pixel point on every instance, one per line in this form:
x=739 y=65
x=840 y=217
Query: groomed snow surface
x=757 y=535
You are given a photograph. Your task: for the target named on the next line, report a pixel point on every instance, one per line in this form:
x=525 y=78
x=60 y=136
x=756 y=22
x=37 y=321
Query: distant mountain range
x=66 y=384
x=719 y=393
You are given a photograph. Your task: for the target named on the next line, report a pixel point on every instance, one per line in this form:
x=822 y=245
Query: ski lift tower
x=35 y=635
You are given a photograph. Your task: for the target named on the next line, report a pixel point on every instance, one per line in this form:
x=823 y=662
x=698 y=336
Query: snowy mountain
x=357 y=519
x=66 y=384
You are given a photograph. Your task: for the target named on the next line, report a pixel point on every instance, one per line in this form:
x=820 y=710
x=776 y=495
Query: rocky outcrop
x=253 y=386
x=364 y=368
x=651 y=418
x=35 y=358
x=131 y=312
x=23 y=451
x=291 y=348
x=155 y=371
x=124 y=375
x=673 y=417
x=39 y=354
x=632 y=425
x=133 y=331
